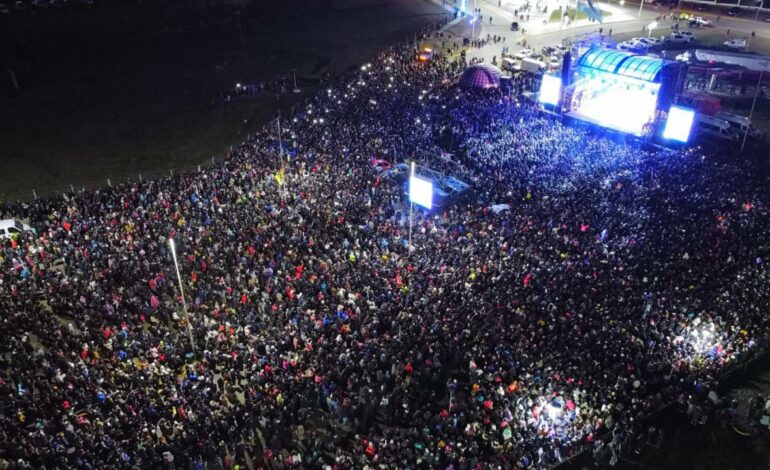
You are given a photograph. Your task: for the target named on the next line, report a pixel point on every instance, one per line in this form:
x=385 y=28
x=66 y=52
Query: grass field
x=123 y=89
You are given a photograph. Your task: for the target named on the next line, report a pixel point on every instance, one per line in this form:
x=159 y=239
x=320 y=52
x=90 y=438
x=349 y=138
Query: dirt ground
x=128 y=87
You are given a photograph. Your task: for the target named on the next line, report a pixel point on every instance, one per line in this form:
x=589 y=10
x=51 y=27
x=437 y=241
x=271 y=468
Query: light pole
x=296 y=88
x=181 y=292
x=650 y=27
x=761 y=5
x=641 y=5
x=751 y=113
x=473 y=22
x=280 y=140
x=411 y=204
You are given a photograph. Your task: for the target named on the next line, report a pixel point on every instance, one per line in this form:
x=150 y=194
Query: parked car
x=548 y=50
x=680 y=38
x=524 y=53
x=734 y=11
x=40 y=3
x=632 y=45
x=12 y=227
x=688 y=34
x=554 y=62
x=20 y=6
x=4 y=9
x=515 y=26
x=736 y=43
x=702 y=7
x=649 y=41
x=698 y=22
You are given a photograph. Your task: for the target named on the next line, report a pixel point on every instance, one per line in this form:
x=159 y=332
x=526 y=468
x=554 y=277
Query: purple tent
x=480 y=77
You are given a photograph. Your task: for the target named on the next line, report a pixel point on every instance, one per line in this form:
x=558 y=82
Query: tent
x=480 y=77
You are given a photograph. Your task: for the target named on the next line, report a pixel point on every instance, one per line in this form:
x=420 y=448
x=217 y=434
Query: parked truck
x=532 y=65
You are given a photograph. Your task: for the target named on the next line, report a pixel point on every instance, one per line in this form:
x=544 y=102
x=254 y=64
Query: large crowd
x=582 y=283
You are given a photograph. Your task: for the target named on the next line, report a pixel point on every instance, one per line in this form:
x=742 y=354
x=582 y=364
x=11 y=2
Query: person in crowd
x=617 y=280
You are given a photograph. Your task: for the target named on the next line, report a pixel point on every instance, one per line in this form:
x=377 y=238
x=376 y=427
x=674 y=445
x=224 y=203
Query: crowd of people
x=310 y=332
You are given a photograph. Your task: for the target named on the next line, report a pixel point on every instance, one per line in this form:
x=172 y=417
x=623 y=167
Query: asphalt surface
x=622 y=19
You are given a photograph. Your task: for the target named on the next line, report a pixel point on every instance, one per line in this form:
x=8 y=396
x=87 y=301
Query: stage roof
x=622 y=63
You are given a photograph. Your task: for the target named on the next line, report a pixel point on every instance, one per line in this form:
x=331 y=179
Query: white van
x=11 y=227
x=713 y=127
x=532 y=65
x=508 y=64
x=740 y=124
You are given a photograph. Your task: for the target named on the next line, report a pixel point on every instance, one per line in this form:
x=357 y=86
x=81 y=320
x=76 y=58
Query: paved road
x=622 y=19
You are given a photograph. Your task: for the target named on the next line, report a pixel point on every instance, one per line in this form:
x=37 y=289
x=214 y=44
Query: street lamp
x=761 y=5
x=650 y=27
x=181 y=292
x=473 y=22
x=751 y=113
x=296 y=88
x=411 y=205
x=641 y=5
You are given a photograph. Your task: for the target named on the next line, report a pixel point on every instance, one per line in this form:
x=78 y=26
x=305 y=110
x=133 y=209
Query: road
x=619 y=19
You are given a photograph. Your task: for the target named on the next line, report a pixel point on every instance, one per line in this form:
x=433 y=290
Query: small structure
x=480 y=77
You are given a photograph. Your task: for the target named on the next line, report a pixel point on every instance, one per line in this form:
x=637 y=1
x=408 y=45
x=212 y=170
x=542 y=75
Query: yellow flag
x=279 y=176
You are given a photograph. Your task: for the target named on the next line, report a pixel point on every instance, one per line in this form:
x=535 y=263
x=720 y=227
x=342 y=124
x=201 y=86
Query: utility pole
x=181 y=292
x=641 y=5
x=411 y=203
x=473 y=23
x=280 y=139
x=238 y=20
x=751 y=113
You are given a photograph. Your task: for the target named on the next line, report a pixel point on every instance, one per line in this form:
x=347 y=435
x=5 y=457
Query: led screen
x=421 y=192
x=550 y=89
x=678 y=124
x=616 y=102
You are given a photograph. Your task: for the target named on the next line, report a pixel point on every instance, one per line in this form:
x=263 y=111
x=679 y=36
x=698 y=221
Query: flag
x=280 y=176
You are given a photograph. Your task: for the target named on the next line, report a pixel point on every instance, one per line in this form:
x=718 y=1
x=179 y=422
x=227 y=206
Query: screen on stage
x=679 y=124
x=421 y=192
x=550 y=89
x=616 y=102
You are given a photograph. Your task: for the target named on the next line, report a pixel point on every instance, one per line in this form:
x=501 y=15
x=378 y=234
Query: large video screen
x=550 y=89
x=678 y=124
x=620 y=103
x=421 y=192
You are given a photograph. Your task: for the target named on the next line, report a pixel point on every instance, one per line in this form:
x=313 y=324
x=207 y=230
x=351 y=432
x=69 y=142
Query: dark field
x=124 y=88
